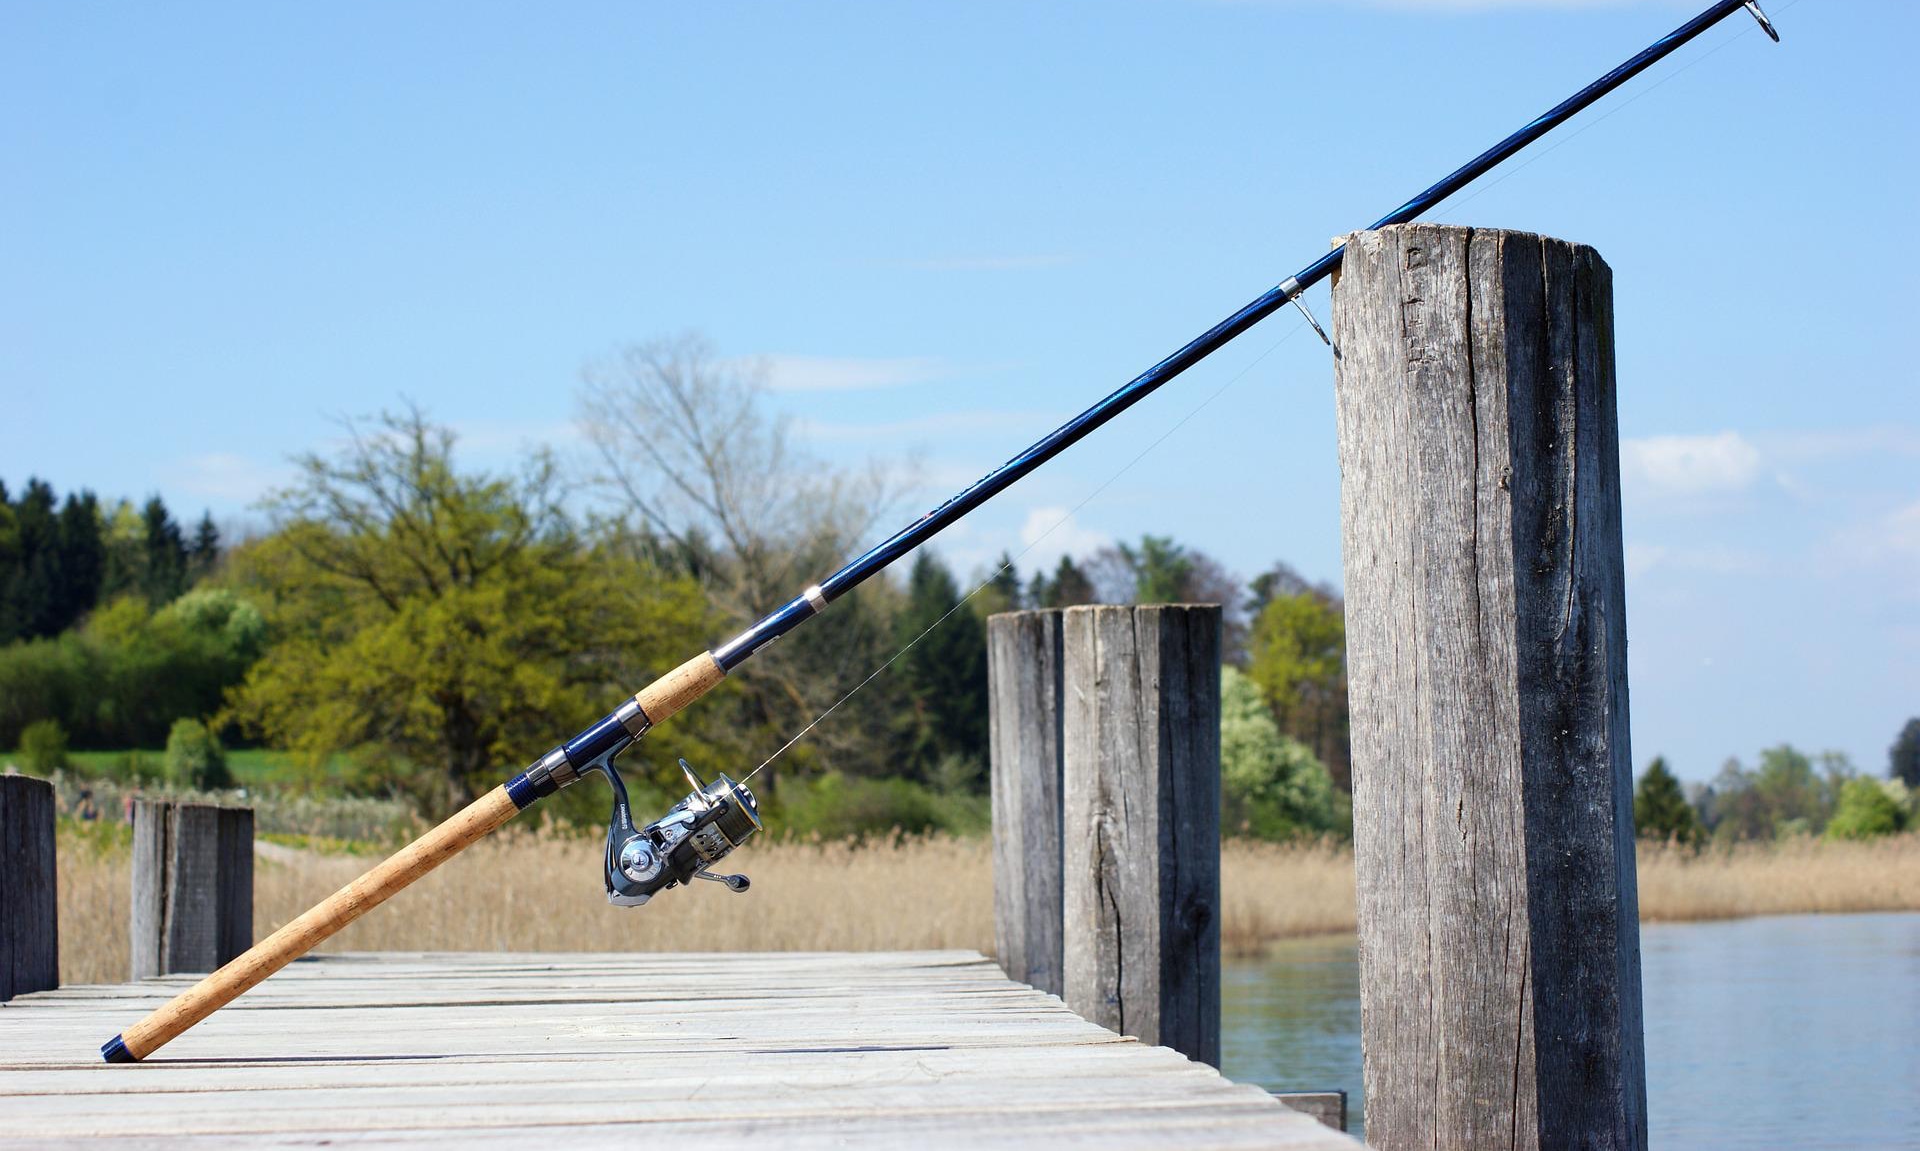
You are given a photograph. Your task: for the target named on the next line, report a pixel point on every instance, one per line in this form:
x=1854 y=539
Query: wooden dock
x=769 y=1050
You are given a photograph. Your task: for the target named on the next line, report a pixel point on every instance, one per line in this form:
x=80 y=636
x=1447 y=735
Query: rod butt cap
x=115 y=1051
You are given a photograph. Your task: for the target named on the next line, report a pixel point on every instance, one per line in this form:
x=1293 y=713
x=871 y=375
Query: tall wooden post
x=1024 y=664
x=29 y=911
x=1486 y=641
x=192 y=886
x=1141 y=788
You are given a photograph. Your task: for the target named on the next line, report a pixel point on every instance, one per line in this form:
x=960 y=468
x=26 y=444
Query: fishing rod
x=716 y=818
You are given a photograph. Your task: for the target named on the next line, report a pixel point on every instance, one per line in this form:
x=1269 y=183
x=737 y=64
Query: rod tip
x=115 y=1051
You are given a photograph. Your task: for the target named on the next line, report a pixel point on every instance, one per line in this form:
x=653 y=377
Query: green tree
x=1903 y=758
x=30 y=586
x=194 y=757
x=43 y=745
x=1000 y=591
x=708 y=484
x=1271 y=787
x=204 y=553
x=1866 y=809
x=943 y=674
x=1068 y=586
x=165 y=569
x=1299 y=661
x=454 y=623
x=1660 y=811
x=83 y=559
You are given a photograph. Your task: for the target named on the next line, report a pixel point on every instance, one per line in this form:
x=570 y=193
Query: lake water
x=1792 y=1031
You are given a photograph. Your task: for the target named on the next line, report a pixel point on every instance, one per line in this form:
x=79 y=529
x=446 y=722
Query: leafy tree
x=43 y=744
x=709 y=484
x=1783 y=796
x=1660 y=811
x=1299 y=658
x=128 y=672
x=457 y=623
x=943 y=674
x=1866 y=809
x=1903 y=758
x=194 y=757
x=1271 y=786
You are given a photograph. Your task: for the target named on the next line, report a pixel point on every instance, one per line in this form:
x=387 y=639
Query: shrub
x=837 y=806
x=195 y=758
x=1271 y=786
x=1867 y=809
x=43 y=744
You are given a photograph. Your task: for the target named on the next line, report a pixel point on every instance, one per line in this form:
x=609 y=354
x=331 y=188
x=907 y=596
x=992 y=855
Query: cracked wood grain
x=1024 y=690
x=1486 y=639
x=1141 y=842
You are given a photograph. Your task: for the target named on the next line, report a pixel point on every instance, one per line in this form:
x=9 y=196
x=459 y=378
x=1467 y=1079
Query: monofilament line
x=1011 y=561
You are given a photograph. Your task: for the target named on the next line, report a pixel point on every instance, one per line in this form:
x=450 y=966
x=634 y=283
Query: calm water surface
x=1792 y=1031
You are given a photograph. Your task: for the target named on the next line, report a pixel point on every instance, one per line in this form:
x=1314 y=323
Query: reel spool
x=680 y=846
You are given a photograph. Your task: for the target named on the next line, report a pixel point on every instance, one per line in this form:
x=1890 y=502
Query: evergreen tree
x=1069 y=586
x=83 y=558
x=30 y=594
x=1660 y=811
x=944 y=674
x=205 y=552
x=1002 y=590
x=1903 y=758
x=165 y=574
x=1162 y=570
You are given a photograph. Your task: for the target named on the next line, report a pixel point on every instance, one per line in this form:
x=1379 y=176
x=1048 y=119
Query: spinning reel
x=681 y=845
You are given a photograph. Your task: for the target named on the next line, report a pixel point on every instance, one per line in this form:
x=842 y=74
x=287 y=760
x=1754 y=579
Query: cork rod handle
x=307 y=931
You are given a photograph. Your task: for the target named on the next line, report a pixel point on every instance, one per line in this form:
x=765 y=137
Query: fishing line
x=1629 y=102
x=1290 y=333
x=1010 y=562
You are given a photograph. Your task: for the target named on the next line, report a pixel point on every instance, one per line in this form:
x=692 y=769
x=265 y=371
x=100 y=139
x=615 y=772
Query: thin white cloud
x=793 y=373
x=1643 y=558
x=228 y=477
x=1691 y=465
x=499 y=437
x=1051 y=532
x=943 y=425
x=1840 y=443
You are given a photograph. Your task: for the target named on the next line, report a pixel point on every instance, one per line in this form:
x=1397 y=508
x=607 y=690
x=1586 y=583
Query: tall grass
x=1794 y=875
x=535 y=891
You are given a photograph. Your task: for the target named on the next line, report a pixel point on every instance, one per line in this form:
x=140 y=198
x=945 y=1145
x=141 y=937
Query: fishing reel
x=681 y=845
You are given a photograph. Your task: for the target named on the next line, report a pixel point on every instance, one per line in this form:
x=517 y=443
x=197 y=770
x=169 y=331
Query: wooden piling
x=192 y=886
x=1024 y=668
x=1141 y=796
x=1486 y=640
x=29 y=909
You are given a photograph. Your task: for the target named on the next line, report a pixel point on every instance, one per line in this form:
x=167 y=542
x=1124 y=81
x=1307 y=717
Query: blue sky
x=945 y=228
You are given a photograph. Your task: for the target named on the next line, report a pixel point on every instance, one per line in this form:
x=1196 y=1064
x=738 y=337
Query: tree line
x=1786 y=793
x=409 y=628
x=59 y=560
x=412 y=628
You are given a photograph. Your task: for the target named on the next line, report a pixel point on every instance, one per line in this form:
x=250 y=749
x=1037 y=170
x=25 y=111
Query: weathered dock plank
x=936 y=1048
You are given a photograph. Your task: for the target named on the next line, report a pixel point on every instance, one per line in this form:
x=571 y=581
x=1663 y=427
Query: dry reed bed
x=531 y=892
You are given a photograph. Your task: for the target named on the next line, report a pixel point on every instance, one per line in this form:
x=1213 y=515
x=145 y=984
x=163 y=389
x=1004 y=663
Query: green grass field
x=250 y=767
